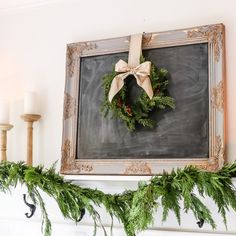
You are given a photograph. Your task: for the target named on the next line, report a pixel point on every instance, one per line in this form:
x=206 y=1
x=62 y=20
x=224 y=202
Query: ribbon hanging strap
x=140 y=71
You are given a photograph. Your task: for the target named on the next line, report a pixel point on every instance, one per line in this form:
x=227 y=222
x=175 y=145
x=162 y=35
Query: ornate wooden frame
x=211 y=34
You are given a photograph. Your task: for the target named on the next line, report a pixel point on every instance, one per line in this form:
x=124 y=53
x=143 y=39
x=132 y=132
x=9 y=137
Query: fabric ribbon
x=140 y=72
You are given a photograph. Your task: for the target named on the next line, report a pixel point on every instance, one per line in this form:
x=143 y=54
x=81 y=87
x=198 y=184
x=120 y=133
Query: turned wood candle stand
x=30 y=119
x=3 y=140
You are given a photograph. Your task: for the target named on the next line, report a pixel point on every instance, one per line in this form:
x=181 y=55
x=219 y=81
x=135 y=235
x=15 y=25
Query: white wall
x=33 y=51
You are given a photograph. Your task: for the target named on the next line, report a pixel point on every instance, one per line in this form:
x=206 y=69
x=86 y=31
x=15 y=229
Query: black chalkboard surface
x=179 y=133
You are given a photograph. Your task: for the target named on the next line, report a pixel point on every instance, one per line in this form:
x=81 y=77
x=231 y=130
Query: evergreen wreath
x=135 y=209
x=134 y=113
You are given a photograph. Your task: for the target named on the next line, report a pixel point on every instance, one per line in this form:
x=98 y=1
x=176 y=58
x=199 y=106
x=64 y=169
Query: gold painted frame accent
x=214 y=35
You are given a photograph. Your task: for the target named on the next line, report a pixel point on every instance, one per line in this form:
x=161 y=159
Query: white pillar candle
x=30 y=103
x=4 y=112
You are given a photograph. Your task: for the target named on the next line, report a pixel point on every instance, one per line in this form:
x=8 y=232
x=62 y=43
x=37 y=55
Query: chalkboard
x=191 y=134
x=179 y=133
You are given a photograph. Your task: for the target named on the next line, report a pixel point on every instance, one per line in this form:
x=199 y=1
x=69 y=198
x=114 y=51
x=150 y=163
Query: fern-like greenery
x=134 y=209
x=137 y=112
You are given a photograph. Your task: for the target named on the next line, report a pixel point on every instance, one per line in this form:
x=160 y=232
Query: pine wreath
x=134 y=113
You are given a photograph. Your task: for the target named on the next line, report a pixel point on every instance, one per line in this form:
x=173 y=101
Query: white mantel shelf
x=107 y=178
x=110 y=178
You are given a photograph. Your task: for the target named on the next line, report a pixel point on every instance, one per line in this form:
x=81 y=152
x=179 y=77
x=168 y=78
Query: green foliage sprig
x=134 y=209
x=137 y=112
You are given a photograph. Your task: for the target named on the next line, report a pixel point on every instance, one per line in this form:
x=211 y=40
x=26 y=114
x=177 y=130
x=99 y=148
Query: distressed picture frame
x=214 y=36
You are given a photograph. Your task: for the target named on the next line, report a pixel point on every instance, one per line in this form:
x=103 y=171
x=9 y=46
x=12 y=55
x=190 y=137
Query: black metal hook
x=82 y=213
x=31 y=206
x=200 y=223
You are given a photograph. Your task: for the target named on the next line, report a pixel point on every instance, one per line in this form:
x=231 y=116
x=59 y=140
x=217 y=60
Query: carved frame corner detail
x=74 y=51
x=213 y=33
x=218 y=159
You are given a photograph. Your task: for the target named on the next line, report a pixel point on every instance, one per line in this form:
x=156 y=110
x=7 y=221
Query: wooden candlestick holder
x=30 y=119
x=3 y=140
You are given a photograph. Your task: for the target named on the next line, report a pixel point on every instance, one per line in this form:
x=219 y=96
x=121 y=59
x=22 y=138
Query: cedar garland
x=134 y=209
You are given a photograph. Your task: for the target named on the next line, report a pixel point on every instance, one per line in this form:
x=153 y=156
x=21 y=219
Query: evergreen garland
x=137 y=112
x=134 y=209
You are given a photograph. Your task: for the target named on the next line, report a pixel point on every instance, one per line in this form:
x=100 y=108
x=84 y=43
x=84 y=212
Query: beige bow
x=141 y=73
